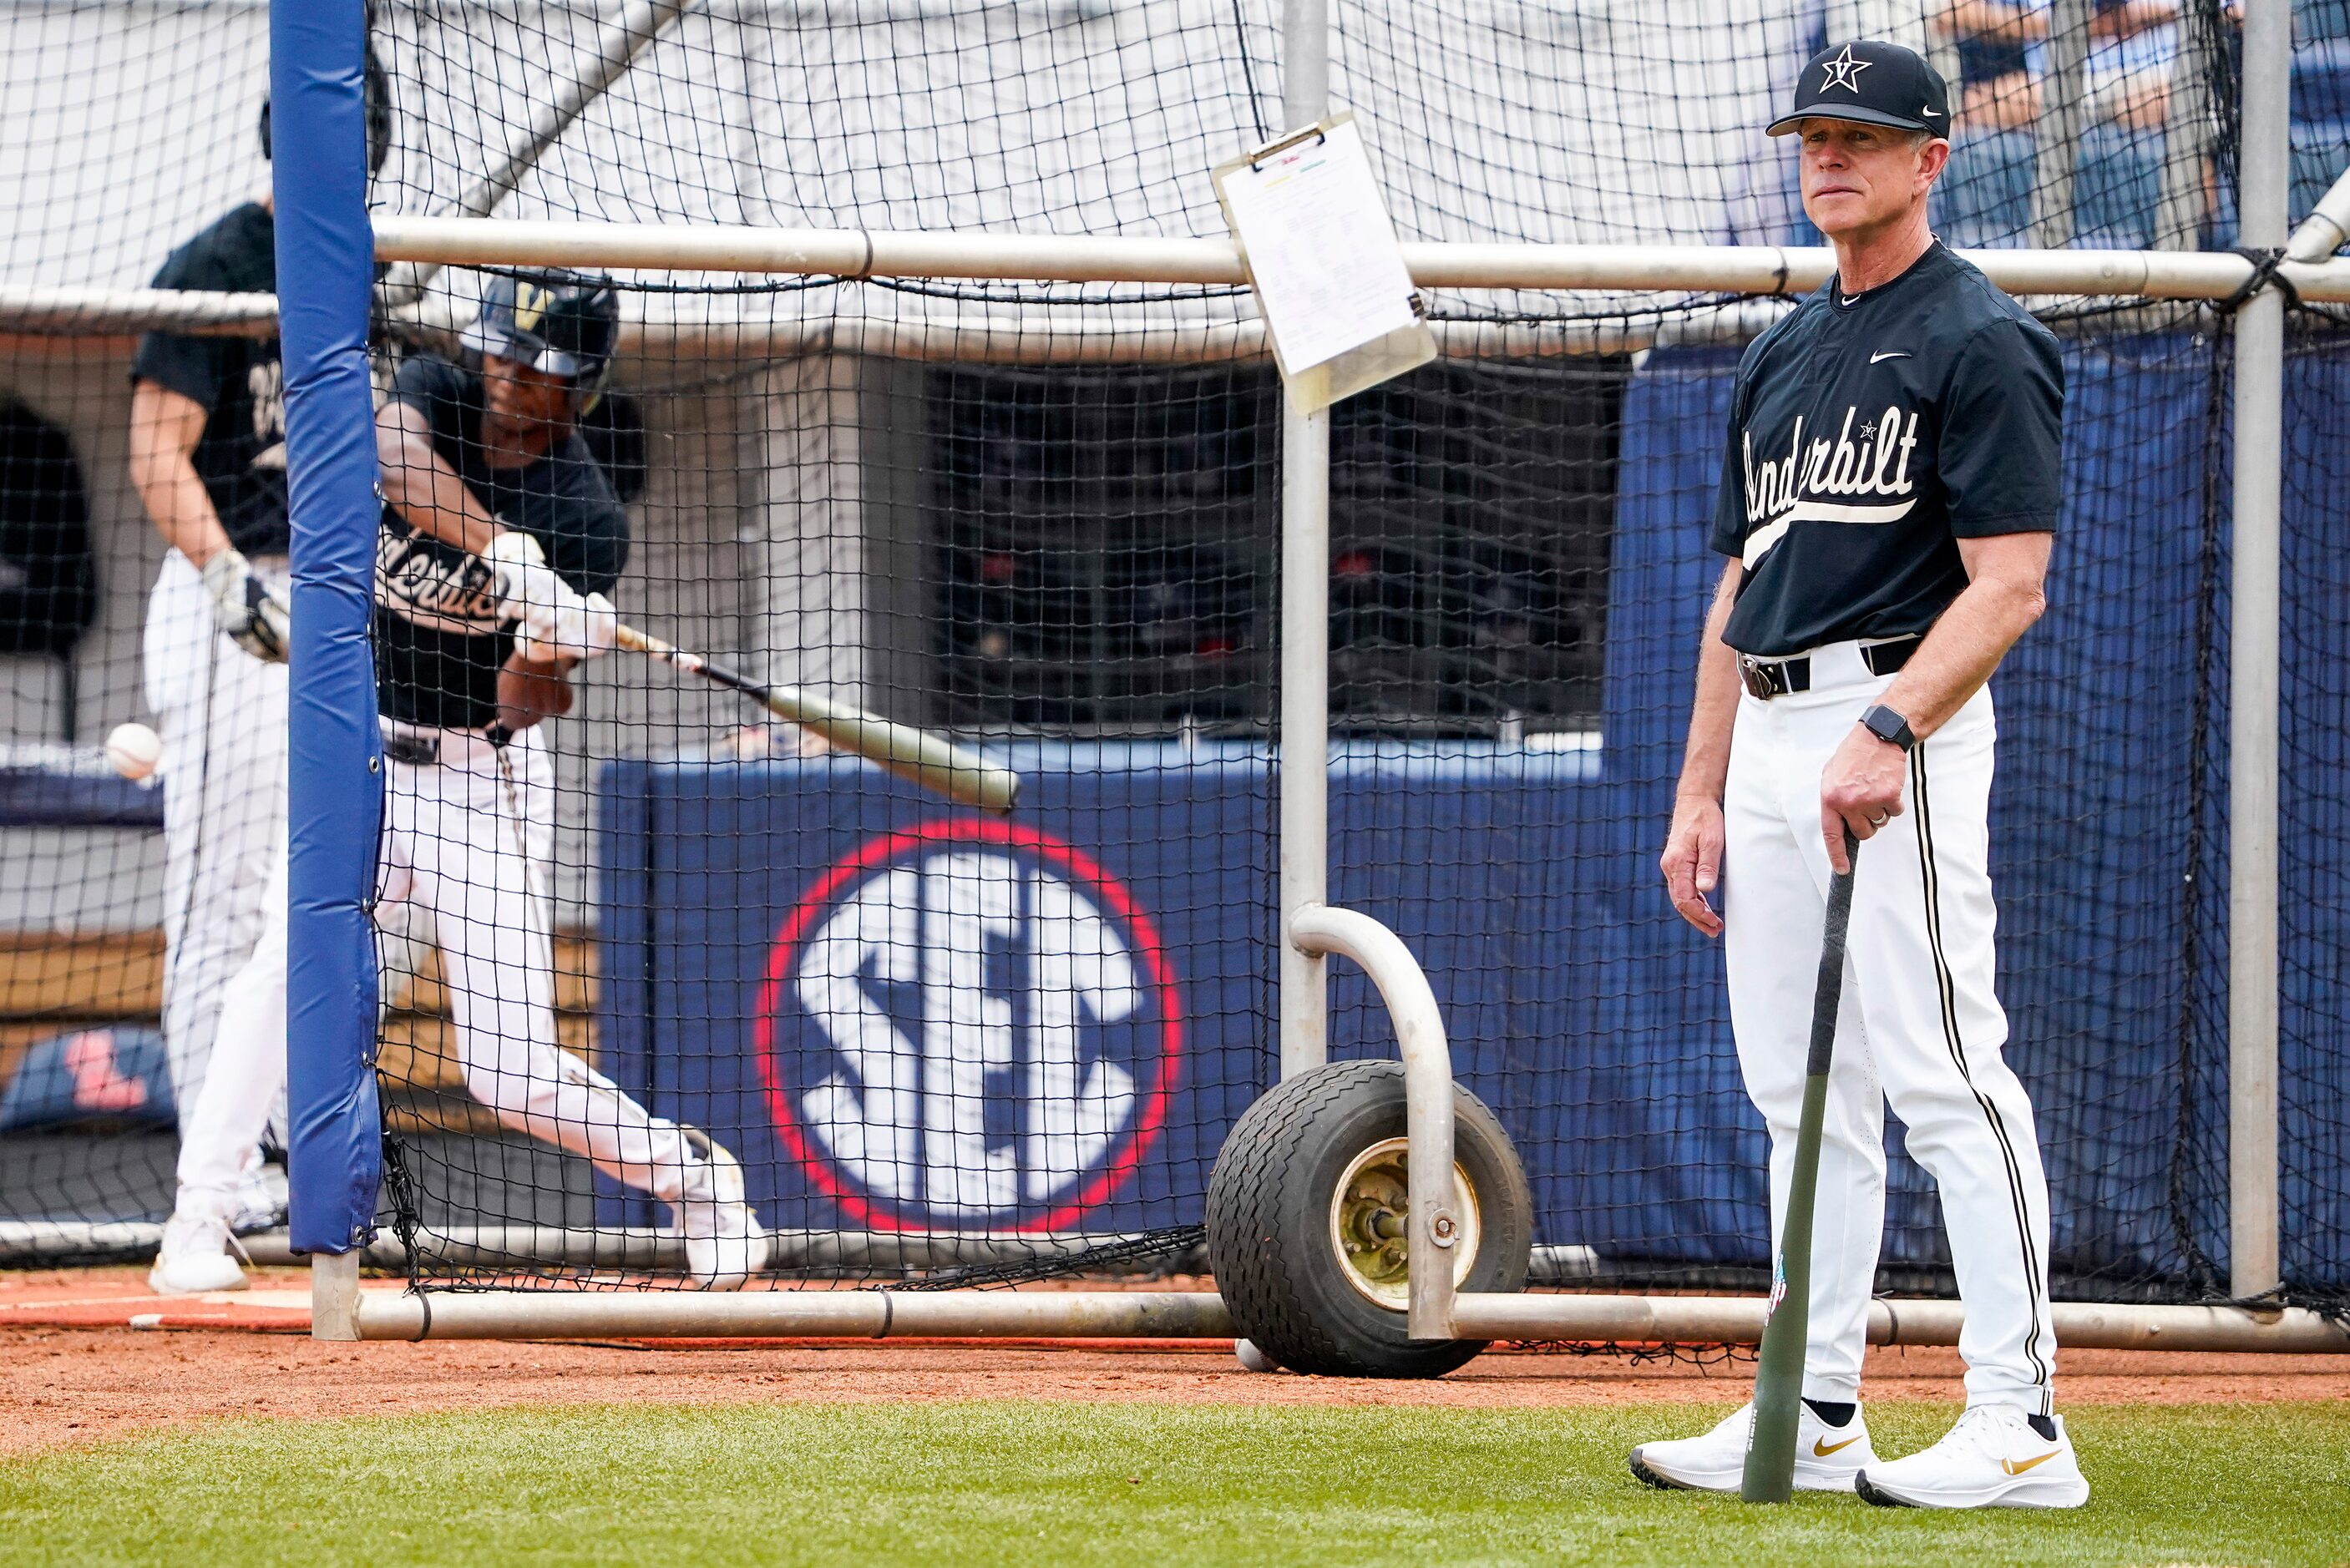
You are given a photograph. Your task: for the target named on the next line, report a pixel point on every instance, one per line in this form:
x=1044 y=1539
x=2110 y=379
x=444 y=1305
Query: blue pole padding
x=326 y=258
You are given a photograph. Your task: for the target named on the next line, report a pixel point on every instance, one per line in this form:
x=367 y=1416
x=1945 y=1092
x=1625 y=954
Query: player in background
x=1889 y=499
x=208 y=458
x=500 y=535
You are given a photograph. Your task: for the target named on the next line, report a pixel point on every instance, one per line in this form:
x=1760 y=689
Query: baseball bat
x=1770 y=1473
x=916 y=755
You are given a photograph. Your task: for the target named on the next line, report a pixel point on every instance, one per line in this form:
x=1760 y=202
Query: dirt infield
x=63 y=1382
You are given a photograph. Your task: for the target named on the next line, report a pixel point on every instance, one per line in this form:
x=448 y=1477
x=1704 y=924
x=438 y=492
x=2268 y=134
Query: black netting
x=1043 y=521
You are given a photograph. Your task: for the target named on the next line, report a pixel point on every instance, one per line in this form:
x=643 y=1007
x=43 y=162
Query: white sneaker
x=194 y=1258
x=724 y=1244
x=1992 y=1458
x=1827 y=1458
x=260 y=1200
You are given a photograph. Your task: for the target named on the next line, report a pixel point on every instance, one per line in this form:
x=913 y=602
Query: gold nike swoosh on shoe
x=1822 y=1447
x=2017 y=1466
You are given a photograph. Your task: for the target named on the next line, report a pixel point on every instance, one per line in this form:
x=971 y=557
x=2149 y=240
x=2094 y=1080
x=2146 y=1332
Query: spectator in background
x=2002 y=58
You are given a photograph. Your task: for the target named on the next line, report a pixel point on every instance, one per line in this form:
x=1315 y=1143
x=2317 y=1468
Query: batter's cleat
x=724 y=1244
x=194 y=1258
x=1827 y=1458
x=1992 y=1458
x=260 y=1200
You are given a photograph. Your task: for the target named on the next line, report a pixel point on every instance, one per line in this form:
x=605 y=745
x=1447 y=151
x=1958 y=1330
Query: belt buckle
x=1758 y=681
x=416 y=751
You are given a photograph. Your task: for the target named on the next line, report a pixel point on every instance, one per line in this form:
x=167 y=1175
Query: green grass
x=1068 y=1484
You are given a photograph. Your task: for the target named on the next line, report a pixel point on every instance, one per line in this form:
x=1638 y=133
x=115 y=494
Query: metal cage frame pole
x=2253 y=688
x=1305 y=853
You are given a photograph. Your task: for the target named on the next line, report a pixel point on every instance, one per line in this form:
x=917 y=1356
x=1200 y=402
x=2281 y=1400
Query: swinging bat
x=915 y=755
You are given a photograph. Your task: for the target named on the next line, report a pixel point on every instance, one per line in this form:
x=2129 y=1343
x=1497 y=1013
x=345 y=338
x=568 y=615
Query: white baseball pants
x=465 y=838
x=1921 y=1027
x=222 y=715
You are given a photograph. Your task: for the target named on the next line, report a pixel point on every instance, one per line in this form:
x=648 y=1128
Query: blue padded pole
x=326 y=258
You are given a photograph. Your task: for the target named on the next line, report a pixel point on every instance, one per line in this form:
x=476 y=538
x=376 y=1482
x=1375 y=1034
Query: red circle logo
x=968 y=1025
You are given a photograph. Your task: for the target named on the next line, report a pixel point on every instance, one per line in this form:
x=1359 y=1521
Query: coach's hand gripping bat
x=915 y=755
x=1769 y=1474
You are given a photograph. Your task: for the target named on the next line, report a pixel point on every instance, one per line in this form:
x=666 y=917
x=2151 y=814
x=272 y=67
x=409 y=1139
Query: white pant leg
x=467 y=840
x=1923 y=957
x=222 y=715
x=220 y=1135
x=1920 y=1013
x=1774 y=904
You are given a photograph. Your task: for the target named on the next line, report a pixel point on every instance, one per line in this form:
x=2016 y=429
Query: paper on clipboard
x=1321 y=254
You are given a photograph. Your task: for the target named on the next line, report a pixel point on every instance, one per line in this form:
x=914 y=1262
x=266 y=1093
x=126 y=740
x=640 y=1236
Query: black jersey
x=241 y=456
x=1867 y=437
x=439 y=642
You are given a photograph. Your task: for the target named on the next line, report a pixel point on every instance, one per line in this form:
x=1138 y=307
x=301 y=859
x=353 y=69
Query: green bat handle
x=1770 y=1473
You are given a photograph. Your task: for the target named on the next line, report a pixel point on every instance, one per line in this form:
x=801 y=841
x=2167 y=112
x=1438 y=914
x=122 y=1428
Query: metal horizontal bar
x=96 y=312
x=1089 y=258
x=1052 y=335
x=846 y=1314
x=1721 y=1320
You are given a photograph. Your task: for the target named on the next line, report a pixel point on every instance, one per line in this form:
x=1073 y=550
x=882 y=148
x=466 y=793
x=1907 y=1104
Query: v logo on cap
x=1844 y=71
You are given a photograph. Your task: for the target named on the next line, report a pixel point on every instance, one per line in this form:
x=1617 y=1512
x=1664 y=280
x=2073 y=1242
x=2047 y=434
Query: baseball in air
x=134 y=750
x=1252 y=1358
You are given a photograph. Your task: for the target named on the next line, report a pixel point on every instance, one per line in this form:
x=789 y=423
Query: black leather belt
x=1769 y=678
x=424 y=752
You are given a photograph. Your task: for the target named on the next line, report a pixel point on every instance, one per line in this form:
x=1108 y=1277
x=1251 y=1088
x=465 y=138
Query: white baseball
x=134 y=750
x=1252 y=1358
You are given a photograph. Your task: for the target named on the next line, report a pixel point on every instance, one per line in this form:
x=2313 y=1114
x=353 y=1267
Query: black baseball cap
x=1874 y=83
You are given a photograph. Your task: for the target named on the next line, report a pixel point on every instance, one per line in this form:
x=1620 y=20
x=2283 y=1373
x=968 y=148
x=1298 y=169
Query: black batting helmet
x=564 y=323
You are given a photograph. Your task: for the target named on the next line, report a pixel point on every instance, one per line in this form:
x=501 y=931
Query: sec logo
x=968 y=1025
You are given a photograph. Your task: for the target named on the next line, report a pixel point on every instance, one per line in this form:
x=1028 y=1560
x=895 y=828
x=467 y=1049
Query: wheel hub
x=1369 y=1214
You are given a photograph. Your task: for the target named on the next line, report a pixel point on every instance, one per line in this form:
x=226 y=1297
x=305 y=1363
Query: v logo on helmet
x=530 y=305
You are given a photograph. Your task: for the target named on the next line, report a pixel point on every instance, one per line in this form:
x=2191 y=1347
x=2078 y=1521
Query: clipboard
x=1320 y=251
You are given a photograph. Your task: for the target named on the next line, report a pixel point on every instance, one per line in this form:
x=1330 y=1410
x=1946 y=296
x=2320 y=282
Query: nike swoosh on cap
x=1891 y=354
x=2017 y=1466
x=1822 y=1447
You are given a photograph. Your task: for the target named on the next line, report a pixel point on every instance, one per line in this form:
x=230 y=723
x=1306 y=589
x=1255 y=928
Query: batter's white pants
x=222 y=714
x=468 y=840
x=1921 y=1027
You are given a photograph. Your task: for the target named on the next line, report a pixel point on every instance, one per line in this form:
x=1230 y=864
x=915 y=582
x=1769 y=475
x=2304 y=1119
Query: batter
x=501 y=533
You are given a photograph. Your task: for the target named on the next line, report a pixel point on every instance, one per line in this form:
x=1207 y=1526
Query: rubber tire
x=1269 y=1222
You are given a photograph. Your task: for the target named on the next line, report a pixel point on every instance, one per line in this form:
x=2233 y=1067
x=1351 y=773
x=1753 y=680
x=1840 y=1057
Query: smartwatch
x=1888 y=726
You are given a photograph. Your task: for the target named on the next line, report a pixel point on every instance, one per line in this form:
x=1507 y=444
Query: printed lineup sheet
x=1322 y=254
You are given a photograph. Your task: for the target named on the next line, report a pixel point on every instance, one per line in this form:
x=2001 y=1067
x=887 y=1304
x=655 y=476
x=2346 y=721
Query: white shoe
x=194 y=1258
x=1992 y=1458
x=1827 y=1458
x=724 y=1244
x=260 y=1200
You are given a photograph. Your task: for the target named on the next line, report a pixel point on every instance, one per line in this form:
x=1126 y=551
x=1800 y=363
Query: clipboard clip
x=1319 y=133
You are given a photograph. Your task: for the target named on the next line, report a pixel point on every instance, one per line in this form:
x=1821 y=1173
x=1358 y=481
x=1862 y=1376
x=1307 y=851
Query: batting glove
x=590 y=631
x=554 y=621
x=254 y=615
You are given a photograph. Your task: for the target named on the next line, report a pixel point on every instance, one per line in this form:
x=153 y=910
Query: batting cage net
x=673 y=985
